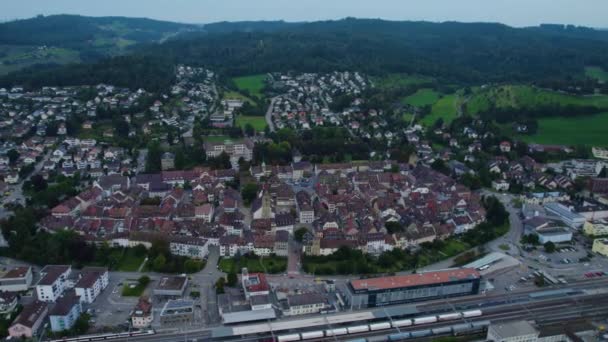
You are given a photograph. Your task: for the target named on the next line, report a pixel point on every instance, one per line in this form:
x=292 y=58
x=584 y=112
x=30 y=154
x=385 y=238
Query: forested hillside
x=74 y=30
x=64 y=39
x=451 y=52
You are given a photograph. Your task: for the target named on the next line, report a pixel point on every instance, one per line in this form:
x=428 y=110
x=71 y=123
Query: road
x=269 y=114
x=511 y=238
x=141 y=160
x=16 y=190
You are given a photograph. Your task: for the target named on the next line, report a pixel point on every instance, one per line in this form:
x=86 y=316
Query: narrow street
x=269 y=114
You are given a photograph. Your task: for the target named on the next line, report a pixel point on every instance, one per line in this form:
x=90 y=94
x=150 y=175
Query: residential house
x=142 y=315
x=27 y=324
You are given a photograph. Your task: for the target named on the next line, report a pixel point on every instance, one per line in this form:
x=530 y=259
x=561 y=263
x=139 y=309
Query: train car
x=379 y=326
x=421 y=333
x=288 y=338
x=461 y=328
x=480 y=325
x=357 y=329
x=357 y=340
x=312 y=334
x=442 y=330
x=425 y=320
x=449 y=317
x=402 y=323
x=471 y=313
x=399 y=337
x=336 y=332
x=377 y=339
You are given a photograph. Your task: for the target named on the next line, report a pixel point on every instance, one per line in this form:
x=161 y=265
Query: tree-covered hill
x=64 y=39
x=74 y=31
x=458 y=53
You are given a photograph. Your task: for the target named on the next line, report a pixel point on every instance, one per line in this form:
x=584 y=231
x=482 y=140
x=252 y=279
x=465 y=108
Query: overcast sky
x=512 y=12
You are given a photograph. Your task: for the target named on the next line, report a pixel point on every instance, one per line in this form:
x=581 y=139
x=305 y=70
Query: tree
x=299 y=233
x=249 y=193
x=549 y=247
x=232 y=279
x=140 y=250
x=153 y=159
x=159 y=263
x=219 y=285
x=539 y=281
x=393 y=227
x=531 y=239
x=249 y=130
x=13 y=156
x=440 y=166
x=81 y=326
x=191 y=266
x=143 y=281
x=159 y=247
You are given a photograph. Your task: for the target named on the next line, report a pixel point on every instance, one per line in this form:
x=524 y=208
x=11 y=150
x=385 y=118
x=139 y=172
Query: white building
x=307 y=214
x=189 y=247
x=92 y=281
x=303 y=304
x=16 y=280
x=500 y=185
x=53 y=281
x=600 y=152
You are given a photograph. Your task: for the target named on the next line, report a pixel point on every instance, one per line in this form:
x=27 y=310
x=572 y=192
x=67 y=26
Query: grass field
x=445 y=108
x=18 y=57
x=216 y=138
x=423 y=97
x=519 y=96
x=597 y=73
x=254 y=84
x=401 y=80
x=258 y=122
x=407 y=117
x=583 y=130
x=135 y=288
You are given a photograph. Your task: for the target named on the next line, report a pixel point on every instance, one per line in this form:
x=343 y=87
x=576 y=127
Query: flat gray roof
x=513 y=329
x=248 y=316
x=563 y=211
x=486 y=260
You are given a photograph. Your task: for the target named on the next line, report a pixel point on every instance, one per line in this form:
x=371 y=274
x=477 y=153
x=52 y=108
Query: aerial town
x=336 y=205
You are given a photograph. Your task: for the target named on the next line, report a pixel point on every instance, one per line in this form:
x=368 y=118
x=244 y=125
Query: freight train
x=396 y=324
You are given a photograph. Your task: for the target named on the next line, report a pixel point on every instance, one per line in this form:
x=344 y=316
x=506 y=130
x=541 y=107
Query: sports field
x=254 y=84
x=258 y=122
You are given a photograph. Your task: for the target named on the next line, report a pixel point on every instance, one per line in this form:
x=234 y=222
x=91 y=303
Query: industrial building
x=400 y=289
x=171 y=286
x=564 y=213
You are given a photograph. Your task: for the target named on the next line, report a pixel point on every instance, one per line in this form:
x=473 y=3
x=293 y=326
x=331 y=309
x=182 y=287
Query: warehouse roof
x=427 y=278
